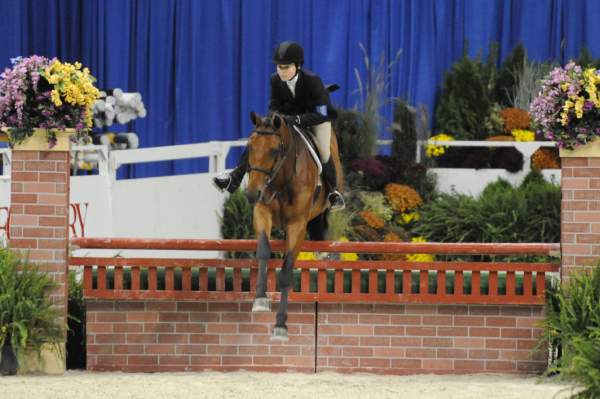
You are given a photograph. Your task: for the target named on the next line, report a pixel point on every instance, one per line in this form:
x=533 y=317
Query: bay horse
x=284 y=188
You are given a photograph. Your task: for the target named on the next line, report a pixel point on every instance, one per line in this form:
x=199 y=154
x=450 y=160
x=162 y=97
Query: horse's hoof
x=261 y=305
x=279 y=334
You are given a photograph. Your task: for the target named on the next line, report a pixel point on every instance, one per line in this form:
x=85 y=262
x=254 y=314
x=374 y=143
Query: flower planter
x=48 y=360
x=8 y=361
x=589 y=150
x=39 y=142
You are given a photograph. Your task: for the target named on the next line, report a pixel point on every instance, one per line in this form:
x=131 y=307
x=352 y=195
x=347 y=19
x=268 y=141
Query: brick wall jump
x=394 y=339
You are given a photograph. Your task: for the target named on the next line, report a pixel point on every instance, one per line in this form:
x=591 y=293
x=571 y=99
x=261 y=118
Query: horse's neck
x=294 y=174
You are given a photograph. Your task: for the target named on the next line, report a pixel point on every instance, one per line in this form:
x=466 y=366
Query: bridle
x=282 y=155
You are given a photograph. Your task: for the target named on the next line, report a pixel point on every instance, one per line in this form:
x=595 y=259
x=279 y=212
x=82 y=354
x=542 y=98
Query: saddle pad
x=311 y=149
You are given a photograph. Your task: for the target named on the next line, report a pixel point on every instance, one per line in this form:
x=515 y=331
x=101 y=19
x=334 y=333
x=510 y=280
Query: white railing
x=109 y=162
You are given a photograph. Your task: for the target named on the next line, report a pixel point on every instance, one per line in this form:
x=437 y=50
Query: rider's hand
x=292 y=120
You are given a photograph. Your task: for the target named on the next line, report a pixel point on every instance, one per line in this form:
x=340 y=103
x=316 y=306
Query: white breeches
x=323 y=140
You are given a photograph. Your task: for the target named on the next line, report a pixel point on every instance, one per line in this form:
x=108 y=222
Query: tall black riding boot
x=336 y=200
x=231 y=181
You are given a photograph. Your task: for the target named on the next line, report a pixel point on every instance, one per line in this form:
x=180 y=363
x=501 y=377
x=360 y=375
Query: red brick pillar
x=39 y=217
x=580 y=209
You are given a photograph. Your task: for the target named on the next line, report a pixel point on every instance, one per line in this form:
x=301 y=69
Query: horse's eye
x=274 y=152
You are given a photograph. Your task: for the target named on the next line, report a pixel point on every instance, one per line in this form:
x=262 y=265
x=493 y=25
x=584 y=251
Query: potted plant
x=28 y=320
x=45 y=102
x=567 y=109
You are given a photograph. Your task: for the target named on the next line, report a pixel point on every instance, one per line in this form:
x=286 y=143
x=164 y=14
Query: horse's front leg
x=295 y=233
x=262 y=228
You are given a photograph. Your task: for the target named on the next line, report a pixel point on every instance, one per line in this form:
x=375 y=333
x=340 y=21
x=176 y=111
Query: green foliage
x=357 y=136
x=529 y=84
x=357 y=128
x=27 y=317
x=404 y=133
x=573 y=324
x=508 y=75
x=586 y=60
x=236 y=221
x=585 y=367
x=376 y=202
x=339 y=224
x=529 y=213
x=466 y=99
x=494 y=124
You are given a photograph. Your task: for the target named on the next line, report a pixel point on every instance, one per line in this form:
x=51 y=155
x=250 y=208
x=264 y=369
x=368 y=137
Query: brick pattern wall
x=180 y=335
x=39 y=213
x=406 y=339
x=183 y=336
x=580 y=214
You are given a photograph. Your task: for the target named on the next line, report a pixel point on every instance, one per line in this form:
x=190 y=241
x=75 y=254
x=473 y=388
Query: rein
x=282 y=156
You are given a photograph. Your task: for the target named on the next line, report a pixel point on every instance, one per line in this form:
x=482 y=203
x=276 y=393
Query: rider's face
x=286 y=71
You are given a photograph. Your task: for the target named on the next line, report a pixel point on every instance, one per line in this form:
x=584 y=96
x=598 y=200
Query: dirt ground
x=114 y=385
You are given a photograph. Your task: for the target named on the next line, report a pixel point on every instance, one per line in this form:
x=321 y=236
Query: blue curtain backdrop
x=203 y=65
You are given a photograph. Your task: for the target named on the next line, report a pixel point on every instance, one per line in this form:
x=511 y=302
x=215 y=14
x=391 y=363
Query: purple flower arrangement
x=567 y=109
x=38 y=92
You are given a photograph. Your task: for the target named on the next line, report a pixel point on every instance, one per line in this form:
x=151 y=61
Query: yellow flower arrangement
x=577 y=102
x=73 y=84
x=523 y=135
x=408 y=217
x=306 y=256
x=348 y=256
x=432 y=150
x=402 y=197
x=420 y=257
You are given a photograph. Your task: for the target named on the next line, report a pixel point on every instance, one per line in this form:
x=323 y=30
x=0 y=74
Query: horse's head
x=268 y=152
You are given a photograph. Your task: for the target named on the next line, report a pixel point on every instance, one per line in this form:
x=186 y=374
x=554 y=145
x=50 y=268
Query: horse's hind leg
x=262 y=228
x=294 y=238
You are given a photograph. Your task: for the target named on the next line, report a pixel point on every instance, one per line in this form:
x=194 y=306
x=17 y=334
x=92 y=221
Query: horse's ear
x=256 y=120
x=276 y=122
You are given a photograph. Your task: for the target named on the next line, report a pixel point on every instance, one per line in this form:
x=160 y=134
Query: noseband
x=282 y=155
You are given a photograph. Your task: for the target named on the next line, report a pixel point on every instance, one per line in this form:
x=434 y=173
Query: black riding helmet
x=289 y=53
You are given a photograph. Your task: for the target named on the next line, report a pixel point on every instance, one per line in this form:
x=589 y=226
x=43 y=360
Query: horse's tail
x=317 y=227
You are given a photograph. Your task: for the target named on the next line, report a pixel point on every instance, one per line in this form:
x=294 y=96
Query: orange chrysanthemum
x=500 y=137
x=392 y=237
x=545 y=158
x=515 y=118
x=402 y=197
x=365 y=233
x=372 y=219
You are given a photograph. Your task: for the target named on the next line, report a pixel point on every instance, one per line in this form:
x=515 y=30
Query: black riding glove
x=292 y=120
